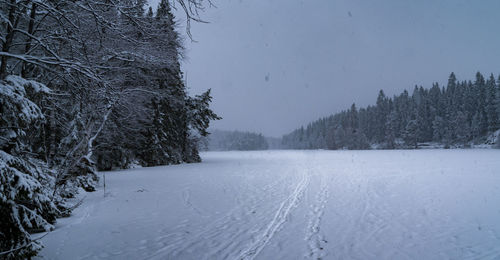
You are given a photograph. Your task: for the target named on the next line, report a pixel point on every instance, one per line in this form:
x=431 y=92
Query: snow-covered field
x=423 y=204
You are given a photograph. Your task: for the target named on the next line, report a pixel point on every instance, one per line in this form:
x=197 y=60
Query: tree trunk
x=31 y=25
x=8 y=38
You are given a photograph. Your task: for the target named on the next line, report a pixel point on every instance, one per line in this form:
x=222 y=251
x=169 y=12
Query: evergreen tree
x=491 y=106
x=461 y=128
x=391 y=130
x=410 y=134
x=475 y=126
x=480 y=93
x=498 y=99
x=439 y=129
x=25 y=201
x=382 y=111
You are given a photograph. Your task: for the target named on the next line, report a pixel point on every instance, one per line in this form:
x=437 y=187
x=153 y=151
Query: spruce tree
x=26 y=204
x=498 y=99
x=410 y=134
x=391 y=130
x=491 y=106
x=381 y=117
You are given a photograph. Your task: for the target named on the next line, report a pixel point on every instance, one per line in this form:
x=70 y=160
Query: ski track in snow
x=279 y=219
x=186 y=196
x=221 y=234
x=223 y=237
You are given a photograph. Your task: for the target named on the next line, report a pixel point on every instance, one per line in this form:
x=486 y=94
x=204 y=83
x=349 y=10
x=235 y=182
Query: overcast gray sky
x=274 y=65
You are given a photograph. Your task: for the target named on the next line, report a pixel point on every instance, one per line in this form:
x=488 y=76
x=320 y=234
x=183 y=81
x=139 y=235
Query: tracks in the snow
x=242 y=232
x=247 y=229
x=224 y=236
x=277 y=222
x=315 y=239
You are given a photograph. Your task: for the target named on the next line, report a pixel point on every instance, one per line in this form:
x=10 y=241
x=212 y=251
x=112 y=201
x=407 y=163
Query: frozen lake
x=409 y=204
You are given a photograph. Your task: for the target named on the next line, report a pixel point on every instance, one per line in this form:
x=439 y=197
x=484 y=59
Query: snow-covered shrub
x=25 y=206
x=25 y=202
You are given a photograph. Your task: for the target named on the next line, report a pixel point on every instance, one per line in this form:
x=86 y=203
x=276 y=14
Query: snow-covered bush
x=25 y=206
x=25 y=202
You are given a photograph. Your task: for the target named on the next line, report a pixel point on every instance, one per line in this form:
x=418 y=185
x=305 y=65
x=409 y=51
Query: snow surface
x=411 y=204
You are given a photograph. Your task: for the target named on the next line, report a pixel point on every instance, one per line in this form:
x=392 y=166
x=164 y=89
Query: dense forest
x=86 y=86
x=459 y=114
x=235 y=141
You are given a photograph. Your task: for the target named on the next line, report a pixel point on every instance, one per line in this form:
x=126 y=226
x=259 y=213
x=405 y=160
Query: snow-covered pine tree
x=153 y=111
x=498 y=100
x=491 y=106
x=199 y=117
x=439 y=129
x=481 y=102
x=25 y=195
x=391 y=130
x=382 y=108
x=410 y=135
x=170 y=126
x=461 y=128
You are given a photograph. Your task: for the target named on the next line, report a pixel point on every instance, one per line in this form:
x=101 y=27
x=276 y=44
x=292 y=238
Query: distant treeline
x=460 y=114
x=235 y=140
